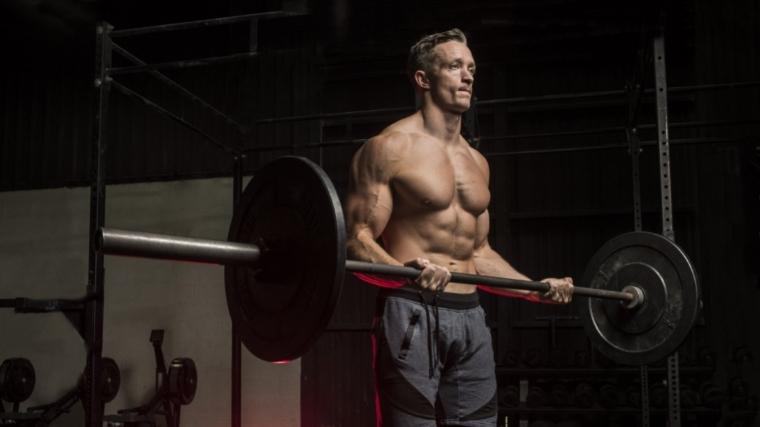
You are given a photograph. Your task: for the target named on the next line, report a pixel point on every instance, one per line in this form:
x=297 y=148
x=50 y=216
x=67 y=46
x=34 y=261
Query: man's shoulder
x=392 y=138
x=390 y=141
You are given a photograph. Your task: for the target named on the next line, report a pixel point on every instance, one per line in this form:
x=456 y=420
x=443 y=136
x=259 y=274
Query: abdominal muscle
x=447 y=243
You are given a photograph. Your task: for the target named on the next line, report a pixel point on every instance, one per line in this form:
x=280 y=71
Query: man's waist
x=451 y=300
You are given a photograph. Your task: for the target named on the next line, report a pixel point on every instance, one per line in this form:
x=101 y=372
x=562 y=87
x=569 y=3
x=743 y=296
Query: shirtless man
x=420 y=188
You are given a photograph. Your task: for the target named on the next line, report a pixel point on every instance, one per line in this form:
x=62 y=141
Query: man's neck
x=444 y=125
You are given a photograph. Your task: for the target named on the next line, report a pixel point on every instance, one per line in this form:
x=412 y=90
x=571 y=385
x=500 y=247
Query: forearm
x=489 y=263
x=363 y=247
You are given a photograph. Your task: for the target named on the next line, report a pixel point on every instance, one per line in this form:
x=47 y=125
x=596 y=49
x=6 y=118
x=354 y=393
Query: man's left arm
x=489 y=263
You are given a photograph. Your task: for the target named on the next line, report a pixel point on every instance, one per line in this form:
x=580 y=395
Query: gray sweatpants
x=434 y=361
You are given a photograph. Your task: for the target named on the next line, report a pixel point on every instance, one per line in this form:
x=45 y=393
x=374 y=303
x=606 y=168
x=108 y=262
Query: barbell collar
x=159 y=246
x=638 y=294
x=497 y=282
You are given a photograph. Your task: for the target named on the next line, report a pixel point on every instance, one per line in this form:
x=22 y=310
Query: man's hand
x=560 y=291
x=433 y=276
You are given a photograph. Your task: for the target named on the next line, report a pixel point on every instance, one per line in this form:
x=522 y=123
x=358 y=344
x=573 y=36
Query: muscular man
x=422 y=191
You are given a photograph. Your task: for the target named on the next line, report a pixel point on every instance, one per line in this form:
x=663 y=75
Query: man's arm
x=369 y=202
x=369 y=205
x=489 y=263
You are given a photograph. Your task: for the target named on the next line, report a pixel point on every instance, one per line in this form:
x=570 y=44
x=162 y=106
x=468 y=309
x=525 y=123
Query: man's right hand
x=433 y=276
x=560 y=290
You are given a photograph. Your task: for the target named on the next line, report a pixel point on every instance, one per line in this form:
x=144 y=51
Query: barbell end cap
x=639 y=296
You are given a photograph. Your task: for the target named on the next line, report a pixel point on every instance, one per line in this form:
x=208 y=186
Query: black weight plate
x=281 y=306
x=17 y=379
x=110 y=379
x=655 y=329
x=183 y=380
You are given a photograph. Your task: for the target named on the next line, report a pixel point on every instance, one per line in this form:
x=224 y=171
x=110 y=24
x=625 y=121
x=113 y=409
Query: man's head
x=442 y=70
x=422 y=54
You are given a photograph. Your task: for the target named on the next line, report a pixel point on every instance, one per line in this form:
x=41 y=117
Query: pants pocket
x=407 y=341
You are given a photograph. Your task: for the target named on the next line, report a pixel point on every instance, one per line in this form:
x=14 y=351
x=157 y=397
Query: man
x=420 y=188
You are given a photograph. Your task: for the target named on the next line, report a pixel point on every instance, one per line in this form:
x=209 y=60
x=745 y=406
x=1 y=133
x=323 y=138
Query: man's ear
x=421 y=79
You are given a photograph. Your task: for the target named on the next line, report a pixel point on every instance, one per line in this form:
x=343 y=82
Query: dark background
x=550 y=211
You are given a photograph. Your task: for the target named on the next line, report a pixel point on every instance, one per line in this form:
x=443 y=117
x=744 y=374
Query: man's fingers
x=560 y=290
x=433 y=276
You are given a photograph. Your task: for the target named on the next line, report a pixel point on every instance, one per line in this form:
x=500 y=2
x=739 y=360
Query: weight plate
x=110 y=379
x=183 y=380
x=17 y=379
x=281 y=306
x=656 y=328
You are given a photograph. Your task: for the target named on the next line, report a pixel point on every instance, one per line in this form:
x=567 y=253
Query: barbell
x=285 y=263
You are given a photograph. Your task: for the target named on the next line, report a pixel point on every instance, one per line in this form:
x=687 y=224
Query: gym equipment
x=285 y=264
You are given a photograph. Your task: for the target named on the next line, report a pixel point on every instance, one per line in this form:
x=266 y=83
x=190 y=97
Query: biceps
x=368 y=209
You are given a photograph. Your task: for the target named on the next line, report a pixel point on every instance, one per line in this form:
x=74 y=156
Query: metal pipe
x=475 y=279
x=338 y=115
x=513 y=100
x=597 y=131
x=185 y=63
x=159 y=246
x=690 y=124
x=197 y=24
x=696 y=88
x=552 y=97
x=678 y=141
x=91 y=323
x=681 y=141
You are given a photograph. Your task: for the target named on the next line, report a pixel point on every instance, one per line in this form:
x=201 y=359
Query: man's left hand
x=560 y=291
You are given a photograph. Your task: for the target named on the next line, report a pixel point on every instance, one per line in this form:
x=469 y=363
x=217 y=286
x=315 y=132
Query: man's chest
x=438 y=179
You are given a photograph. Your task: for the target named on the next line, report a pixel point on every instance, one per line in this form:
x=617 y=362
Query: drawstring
x=432 y=355
x=437 y=325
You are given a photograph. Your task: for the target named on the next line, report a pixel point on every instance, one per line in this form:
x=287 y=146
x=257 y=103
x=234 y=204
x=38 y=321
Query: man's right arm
x=369 y=202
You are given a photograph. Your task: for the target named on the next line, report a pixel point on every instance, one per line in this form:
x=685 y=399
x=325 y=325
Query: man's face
x=452 y=76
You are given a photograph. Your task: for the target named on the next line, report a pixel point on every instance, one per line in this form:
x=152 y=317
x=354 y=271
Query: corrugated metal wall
x=46 y=127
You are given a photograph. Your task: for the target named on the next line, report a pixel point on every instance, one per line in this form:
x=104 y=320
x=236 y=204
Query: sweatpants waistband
x=440 y=299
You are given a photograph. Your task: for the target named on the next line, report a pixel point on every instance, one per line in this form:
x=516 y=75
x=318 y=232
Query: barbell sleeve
x=476 y=279
x=149 y=245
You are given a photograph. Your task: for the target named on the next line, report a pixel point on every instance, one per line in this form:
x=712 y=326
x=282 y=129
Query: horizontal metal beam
x=185 y=63
x=202 y=23
x=338 y=115
x=29 y=305
x=621 y=129
x=678 y=141
x=512 y=100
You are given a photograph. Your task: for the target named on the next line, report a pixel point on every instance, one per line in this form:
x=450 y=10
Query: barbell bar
x=285 y=263
x=162 y=246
